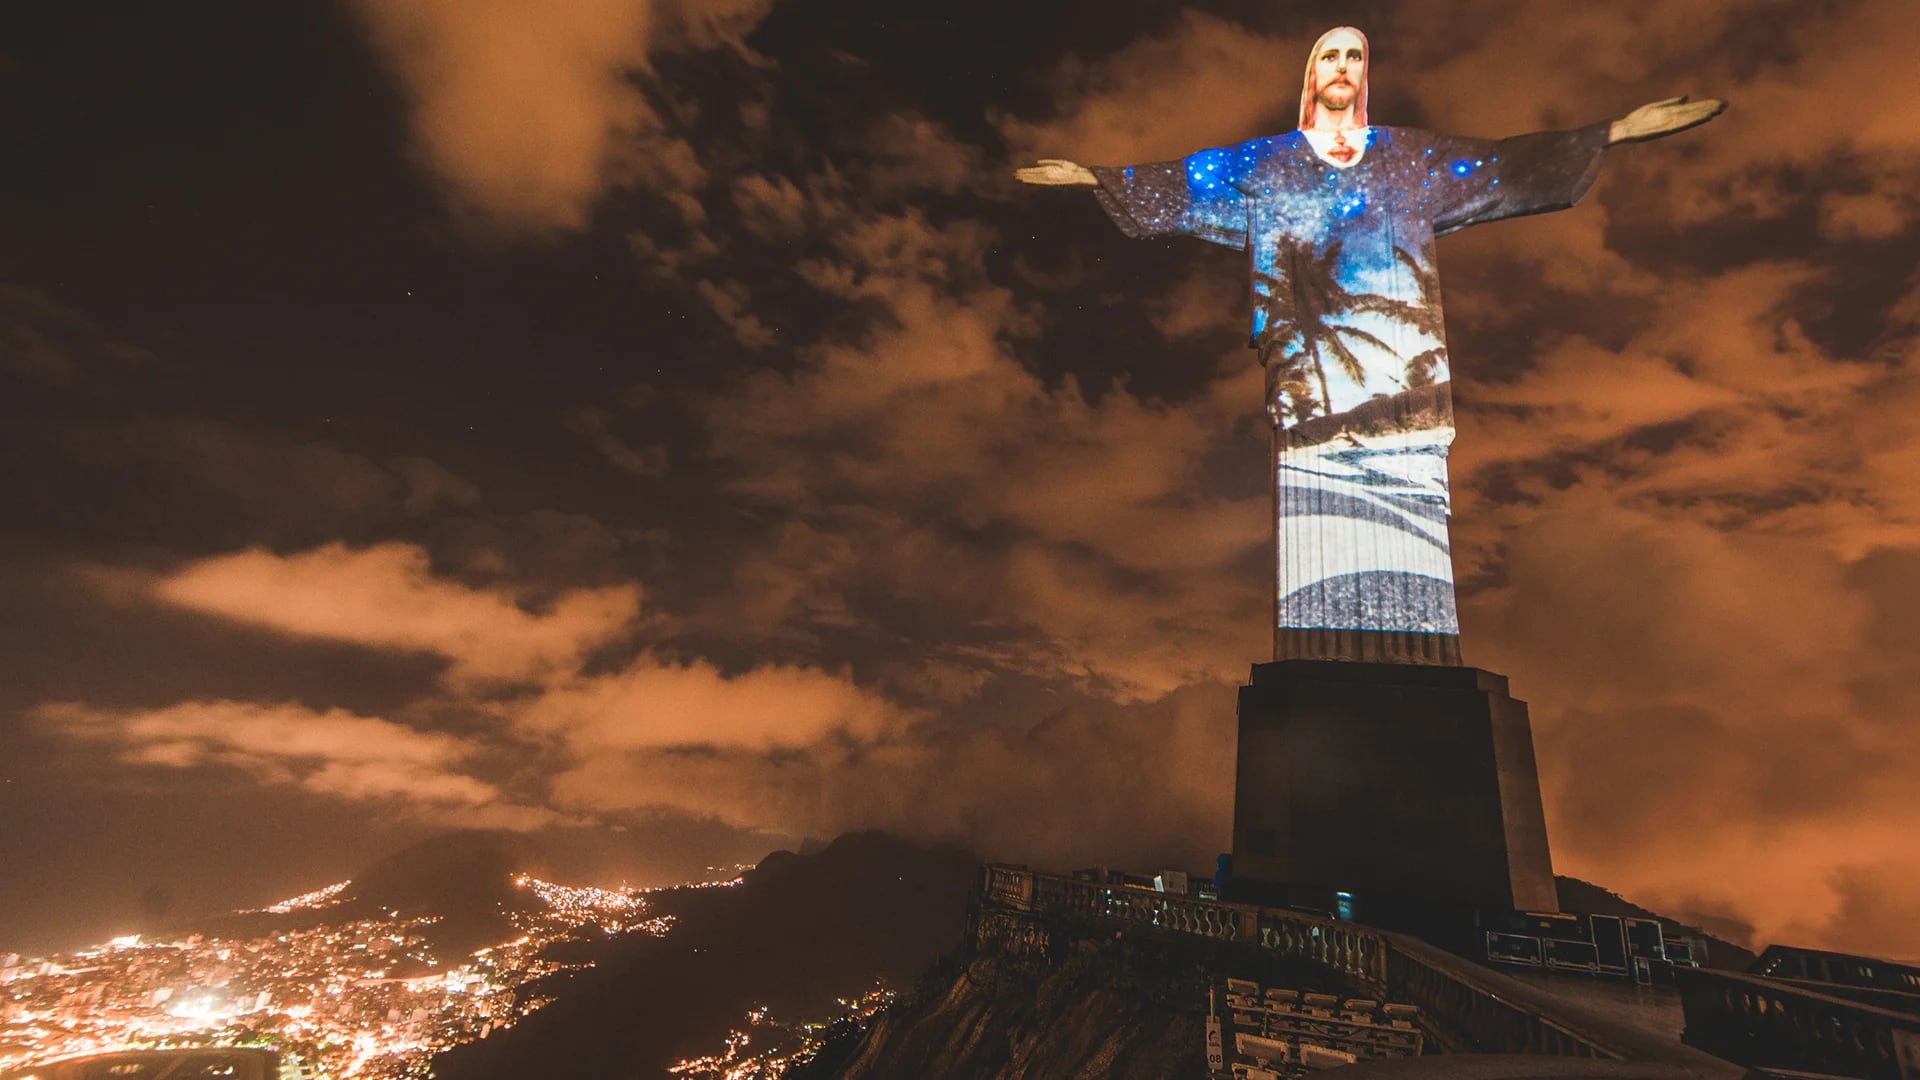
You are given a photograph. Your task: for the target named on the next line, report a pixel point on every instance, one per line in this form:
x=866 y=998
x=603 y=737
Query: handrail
x=1483 y=1008
x=1760 y=1021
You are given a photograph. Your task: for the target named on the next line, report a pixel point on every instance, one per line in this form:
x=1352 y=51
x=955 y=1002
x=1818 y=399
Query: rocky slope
x=998 y=1020
x=1127 y=1007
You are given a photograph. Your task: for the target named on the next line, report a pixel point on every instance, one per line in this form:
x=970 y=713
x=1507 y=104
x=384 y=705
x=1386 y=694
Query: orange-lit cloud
x=1207 y=82
x=1718 y=723
x=1138 y=786
x=520 y=110
x=332 y=753
x=651 y=705
x=529 y=113
x=387 y=597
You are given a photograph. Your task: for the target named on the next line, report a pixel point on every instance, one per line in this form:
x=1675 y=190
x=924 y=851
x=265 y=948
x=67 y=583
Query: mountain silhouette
x=462 y=878
x=797 y=933
x=465 y=878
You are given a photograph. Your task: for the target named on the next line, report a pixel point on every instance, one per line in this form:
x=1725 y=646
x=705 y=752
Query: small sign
x=1216 y=1054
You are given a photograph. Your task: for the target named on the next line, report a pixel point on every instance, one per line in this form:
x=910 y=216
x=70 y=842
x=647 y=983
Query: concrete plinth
x=1398 y=783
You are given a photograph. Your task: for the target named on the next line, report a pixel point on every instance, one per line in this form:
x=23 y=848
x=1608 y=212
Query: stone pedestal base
x=1401 y=784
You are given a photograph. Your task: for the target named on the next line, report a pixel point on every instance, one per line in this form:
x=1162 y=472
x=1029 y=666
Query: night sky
x=665 y=427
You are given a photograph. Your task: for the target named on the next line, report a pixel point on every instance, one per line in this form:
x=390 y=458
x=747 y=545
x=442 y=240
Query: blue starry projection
x=1347 y=321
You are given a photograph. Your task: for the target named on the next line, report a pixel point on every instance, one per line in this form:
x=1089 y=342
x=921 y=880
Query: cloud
x=430 y=485
x=291 y=489
x=655 y=705
x=1754 y=162
x=1874 y=215
x=541 y=553
x=771 y=207
x=45 y=342
x=1206 y=82
x=519 y=109
x=732 y=302
x=908 y=442
x=331 y=753
x=1705 y=622
x=1728 y=347
x=529 y=114
x=596 y=426
x=908 y=154
x=1147 y=787
x=386 y=596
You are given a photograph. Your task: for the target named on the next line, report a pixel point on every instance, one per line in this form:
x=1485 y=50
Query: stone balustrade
x=1771 y=1023
x=1471 y=1008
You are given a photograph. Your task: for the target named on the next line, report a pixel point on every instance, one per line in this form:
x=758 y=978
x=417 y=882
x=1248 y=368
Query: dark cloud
x=46 y=342
x=302 y=486
x=593 y=425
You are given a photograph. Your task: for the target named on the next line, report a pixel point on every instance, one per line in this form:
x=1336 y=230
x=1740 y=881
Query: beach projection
x=1338 y=219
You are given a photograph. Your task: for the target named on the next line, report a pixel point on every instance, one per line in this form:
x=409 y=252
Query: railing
x=1354 y=951
x=1441 y=984
x=1472 y=1009
x=1758 y=1021
x=1010 y=889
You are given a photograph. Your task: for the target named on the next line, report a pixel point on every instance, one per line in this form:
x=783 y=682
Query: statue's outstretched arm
x=1663 y=118
x=1056 y=172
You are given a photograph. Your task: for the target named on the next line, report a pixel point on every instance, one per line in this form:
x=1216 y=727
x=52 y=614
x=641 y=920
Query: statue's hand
x=1055 y=172
x=1663 y=118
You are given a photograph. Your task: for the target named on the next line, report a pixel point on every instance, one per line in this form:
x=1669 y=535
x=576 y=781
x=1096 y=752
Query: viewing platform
x=1463 y=1007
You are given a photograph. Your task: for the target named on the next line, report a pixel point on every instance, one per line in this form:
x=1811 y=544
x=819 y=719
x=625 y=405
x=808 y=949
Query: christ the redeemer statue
x=1338 y=219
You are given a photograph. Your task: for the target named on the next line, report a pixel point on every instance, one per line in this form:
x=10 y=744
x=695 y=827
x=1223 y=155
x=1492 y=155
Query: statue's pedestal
x=1408 y=786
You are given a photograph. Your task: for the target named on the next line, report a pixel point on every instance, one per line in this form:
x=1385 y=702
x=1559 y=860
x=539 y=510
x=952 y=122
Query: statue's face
x=1340 y=70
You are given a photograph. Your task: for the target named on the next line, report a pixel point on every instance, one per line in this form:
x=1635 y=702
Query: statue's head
x=1335 y=94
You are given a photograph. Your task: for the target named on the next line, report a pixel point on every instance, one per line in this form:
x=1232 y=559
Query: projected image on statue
x=1338 y=218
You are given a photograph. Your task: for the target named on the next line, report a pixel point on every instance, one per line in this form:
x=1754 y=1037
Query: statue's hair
x=1310 y=93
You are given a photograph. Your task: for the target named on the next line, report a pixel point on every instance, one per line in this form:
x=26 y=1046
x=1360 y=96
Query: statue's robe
x=1347 y=321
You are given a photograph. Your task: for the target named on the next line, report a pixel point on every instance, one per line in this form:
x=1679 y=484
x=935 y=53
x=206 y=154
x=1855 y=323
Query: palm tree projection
x=1307 y=322
x=1422 y=316
x=1315 y=321
x=1339 y=218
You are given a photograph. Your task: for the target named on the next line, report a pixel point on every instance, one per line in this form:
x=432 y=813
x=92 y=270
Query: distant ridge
x=463 y=878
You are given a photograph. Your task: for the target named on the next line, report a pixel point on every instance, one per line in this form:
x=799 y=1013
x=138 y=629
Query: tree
x=1302 y=308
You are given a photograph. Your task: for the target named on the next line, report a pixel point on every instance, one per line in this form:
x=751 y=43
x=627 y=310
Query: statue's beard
x=1338 y=97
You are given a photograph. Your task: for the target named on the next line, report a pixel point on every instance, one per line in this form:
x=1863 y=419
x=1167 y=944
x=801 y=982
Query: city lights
x=362 y=998
x=765 y=1049
x=318 y=898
